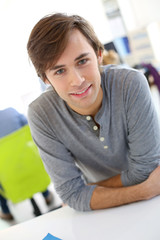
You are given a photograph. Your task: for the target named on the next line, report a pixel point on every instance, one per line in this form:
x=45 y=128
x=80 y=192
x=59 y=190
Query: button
x=101 y=139
x=95 y=128
x=88 y=118
x=105 y=147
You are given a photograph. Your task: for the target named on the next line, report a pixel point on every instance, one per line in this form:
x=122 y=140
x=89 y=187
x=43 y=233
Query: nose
x=76 y=78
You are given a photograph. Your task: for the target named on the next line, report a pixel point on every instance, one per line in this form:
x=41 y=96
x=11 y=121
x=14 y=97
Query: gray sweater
x=75 y=152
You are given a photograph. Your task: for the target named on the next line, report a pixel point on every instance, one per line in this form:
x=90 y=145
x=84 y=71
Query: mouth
x=82 y=92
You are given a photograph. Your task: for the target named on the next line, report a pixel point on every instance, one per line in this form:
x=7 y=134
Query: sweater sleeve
x=60 y=164
x=143 y=130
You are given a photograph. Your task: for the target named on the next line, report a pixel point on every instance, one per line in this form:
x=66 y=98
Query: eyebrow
x=77 y=58
x=81 y=56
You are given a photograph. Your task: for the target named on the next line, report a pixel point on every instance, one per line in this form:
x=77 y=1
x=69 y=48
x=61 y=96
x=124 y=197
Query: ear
x=100 y=57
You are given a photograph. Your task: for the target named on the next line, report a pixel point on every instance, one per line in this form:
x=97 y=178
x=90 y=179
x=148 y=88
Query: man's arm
x=106 y=197
x=112 y=182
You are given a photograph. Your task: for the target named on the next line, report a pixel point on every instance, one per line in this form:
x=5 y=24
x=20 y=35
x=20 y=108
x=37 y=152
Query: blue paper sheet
x=51 y=237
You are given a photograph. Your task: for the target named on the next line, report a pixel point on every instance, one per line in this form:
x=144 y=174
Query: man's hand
x=106 y=197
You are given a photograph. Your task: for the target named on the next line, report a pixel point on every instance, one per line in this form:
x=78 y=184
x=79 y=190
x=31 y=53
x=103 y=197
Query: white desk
x=137 y=221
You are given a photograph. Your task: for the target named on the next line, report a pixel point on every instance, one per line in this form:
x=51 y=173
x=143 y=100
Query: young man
x=97 y=132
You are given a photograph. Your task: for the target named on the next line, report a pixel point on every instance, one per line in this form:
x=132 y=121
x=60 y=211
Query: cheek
x=90 y=71
x=94 y=67
x=94 y=72
x=59 y=87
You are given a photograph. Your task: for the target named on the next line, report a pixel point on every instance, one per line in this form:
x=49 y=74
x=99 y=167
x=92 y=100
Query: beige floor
x=24 y=211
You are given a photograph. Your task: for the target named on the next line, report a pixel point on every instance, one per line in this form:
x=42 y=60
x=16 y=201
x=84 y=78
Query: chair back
x=22 y=173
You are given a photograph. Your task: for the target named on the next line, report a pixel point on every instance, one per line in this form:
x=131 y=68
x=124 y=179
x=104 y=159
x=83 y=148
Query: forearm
x=106 y=197
x=111 y=182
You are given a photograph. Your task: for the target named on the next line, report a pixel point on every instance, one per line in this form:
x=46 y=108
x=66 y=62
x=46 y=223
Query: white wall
x=139 y=13
x=19 y=83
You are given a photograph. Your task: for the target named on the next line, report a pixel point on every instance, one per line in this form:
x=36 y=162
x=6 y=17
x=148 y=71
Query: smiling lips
x=81 y=93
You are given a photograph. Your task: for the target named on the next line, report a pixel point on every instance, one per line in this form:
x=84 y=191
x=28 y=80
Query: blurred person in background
x=110 y=57
x=10 y=121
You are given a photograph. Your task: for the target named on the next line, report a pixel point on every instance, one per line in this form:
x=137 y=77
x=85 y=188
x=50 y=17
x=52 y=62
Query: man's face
x=76 y=77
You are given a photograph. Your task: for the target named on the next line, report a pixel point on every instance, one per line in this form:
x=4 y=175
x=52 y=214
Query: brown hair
x=49 y=37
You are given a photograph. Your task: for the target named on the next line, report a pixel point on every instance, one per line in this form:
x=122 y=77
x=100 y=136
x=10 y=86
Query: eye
x=60 y=71
x=83 y=61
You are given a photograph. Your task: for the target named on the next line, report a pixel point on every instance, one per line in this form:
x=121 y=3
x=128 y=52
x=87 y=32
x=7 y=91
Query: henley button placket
x=95 y=128
x=102 y=140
